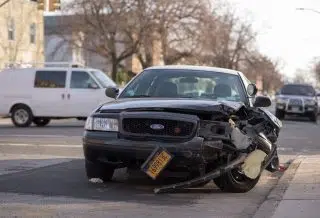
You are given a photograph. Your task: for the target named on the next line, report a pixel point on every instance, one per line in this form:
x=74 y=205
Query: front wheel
x=280 y=114
x=21 y=116
x=236 y=182
x=314 y=117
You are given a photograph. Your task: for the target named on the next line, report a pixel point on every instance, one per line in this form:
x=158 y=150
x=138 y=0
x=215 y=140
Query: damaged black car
x=199 y=124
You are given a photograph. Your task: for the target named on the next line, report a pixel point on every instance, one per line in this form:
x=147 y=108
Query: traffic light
x=54 y=5
x=41 y=4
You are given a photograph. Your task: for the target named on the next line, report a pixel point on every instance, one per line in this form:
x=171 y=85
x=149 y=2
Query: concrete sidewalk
x=297 y=193
x=302 y=198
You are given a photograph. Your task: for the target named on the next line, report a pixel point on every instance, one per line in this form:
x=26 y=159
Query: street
x=42 y=173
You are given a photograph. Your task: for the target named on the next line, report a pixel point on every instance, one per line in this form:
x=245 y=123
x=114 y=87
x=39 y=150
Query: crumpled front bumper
x=119 y=150
x=290 y=109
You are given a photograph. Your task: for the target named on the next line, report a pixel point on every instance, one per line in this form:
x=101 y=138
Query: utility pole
x=3 y=3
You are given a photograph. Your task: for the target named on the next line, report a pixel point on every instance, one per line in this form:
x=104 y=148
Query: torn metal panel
x=215 y=130
x=240 y=140
x=207 y=177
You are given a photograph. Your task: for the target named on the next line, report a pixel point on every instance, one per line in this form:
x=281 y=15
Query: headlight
x=310 y=101
x=88 y=125
x=102 y=124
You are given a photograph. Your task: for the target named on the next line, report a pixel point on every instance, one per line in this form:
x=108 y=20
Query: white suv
x=299 y=100
x=37 y=95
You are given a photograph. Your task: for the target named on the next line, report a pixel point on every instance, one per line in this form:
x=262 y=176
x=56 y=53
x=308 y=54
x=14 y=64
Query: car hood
x=130 y=104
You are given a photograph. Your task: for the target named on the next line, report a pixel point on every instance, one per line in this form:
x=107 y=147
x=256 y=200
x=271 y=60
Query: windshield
x=103 y=79
x=172 y=83
x=298 y=90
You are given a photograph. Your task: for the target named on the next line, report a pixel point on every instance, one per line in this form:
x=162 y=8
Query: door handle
x=68 y=96
x=62 y=96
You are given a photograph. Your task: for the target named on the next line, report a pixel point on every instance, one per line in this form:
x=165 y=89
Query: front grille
x=295 y=102
x=143 y=126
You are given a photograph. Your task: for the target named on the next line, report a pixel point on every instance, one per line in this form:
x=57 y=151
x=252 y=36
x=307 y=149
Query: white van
x=37 y=95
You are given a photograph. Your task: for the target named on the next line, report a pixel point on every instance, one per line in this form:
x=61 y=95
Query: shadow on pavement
x=69 y=180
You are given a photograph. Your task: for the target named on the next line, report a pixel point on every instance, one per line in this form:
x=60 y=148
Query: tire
x=280 y=114
x=228 y=182
x=41 y=122
x=314 y=117
x=99 y=170
x=21 y=116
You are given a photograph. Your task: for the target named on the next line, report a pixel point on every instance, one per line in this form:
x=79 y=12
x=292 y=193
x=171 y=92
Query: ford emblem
x=157 y=126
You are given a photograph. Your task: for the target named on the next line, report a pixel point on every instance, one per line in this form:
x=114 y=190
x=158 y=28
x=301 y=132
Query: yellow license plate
x=158 y=164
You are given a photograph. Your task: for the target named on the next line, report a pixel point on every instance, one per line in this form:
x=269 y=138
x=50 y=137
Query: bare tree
x=226 y=40
x=175 y=27
x=261 y=65
x=110 y=28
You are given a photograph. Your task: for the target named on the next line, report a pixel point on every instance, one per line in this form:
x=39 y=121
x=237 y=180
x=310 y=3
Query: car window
x=298 y=90
x=103 y=79
x=81 y=80
x=245 y=80
x=50 y=79
x=186 y=84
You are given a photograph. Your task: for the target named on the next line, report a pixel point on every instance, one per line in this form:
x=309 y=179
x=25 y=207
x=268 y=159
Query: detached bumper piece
x=207 y=177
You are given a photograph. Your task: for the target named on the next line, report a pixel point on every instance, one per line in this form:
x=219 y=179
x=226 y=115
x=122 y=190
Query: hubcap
x=21 y=116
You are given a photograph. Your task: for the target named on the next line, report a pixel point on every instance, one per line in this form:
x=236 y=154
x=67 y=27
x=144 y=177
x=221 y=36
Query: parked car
x=37 y=95
x=297 y=99
x=196 y=123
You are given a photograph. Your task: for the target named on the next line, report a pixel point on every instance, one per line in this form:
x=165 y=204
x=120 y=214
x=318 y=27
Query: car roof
x=49 y=68
x=194 y=67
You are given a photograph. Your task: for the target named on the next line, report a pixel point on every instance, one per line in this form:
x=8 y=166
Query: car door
x=49 y=93
x=83 y=93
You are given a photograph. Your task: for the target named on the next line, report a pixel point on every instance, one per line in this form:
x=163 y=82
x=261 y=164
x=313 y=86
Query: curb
x=270 y=204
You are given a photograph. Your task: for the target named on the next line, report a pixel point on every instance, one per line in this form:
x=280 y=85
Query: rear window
x=50 y=79
x=298 y=90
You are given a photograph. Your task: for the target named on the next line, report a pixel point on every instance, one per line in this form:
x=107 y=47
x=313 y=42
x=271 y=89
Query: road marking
x=19 y=163
x=42 y=145
x=38 y=136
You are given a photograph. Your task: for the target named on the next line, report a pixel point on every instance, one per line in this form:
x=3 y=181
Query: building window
x=11 y=29
x=33 y=33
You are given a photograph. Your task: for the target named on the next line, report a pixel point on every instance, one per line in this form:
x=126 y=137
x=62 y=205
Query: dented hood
x=196 y=105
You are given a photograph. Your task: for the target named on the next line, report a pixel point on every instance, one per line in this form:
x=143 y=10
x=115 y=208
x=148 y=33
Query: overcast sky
x=284 y=32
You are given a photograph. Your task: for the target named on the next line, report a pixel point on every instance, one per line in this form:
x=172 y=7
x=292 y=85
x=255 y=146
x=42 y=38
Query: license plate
x=295 y=109
x=157 y=161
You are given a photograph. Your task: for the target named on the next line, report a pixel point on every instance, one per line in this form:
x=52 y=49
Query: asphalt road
x=42 y=173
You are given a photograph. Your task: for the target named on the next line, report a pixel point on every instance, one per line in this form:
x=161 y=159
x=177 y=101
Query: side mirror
x=252 y=90
x=112 y=92
x=262 y=101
